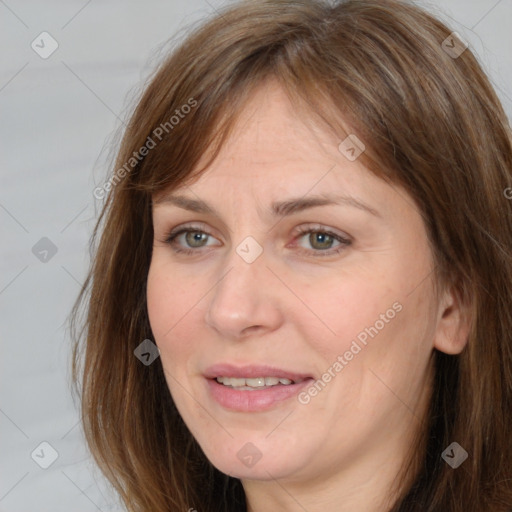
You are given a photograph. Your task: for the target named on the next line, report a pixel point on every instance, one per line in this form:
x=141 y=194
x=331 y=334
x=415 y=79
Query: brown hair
x=430 y=122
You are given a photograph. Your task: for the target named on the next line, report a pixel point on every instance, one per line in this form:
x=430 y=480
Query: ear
x=453 y=323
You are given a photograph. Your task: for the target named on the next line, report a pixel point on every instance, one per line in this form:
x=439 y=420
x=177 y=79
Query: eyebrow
x=278 y=208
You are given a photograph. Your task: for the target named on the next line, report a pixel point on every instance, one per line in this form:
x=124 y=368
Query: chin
x=255 y=457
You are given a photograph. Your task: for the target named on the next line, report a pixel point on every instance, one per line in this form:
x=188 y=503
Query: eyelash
x=170 y=239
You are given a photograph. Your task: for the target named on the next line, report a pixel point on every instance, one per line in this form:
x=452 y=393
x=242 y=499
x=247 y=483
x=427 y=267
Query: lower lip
x=253 y=401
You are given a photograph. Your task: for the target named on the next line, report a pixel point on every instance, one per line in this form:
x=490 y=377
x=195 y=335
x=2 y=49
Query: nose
x=246 y=301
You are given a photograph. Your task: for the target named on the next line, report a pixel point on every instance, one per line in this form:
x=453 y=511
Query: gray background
x=60 y=119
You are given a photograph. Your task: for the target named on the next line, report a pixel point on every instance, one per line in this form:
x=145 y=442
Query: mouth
x=253 y=388
x=254 y=384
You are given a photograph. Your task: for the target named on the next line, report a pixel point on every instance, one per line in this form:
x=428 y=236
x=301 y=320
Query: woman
x=301 y=298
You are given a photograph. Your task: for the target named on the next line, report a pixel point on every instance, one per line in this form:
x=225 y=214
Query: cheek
x=169 y=297
x=173 y=308
x=374 y=321
x=347 y=310
x=163 y=310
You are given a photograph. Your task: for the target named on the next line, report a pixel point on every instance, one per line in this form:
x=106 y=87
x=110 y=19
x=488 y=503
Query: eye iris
x=324 y=239
x=195 y=236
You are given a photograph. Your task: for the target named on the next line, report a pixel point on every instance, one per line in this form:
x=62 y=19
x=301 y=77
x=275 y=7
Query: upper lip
x=252 y=371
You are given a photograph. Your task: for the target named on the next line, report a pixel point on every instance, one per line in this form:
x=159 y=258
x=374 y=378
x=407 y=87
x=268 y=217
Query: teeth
x=259 y=382
x=253 y=383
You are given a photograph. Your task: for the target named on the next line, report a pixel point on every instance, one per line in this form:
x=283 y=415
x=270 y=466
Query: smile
x=252 y=388
x=251 y=384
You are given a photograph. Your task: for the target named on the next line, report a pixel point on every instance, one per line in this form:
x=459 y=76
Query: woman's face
x=347 y=314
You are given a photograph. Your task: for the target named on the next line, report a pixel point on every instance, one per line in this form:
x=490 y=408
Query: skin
x=297 y=309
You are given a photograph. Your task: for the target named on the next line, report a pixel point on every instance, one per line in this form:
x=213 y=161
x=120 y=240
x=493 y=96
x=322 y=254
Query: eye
x=322 y=239
x=194 y=237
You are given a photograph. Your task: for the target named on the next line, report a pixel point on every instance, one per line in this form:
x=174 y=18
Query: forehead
x=275 y=154
x=269 y=130
x=274 y=151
